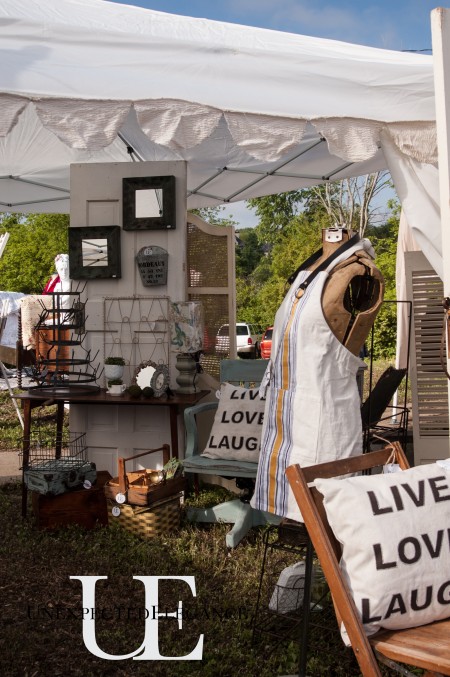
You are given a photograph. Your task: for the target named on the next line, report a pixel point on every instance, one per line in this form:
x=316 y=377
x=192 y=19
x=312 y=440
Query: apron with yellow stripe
x=312 y=411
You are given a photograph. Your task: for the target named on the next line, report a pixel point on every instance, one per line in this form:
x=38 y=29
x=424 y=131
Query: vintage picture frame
x=149 y=203
x=94 y=252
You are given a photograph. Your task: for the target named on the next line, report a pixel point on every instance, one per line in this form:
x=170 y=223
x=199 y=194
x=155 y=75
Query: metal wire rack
x=55 y=455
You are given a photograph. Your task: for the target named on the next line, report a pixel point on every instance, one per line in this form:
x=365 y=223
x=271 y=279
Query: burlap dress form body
x=312 y=411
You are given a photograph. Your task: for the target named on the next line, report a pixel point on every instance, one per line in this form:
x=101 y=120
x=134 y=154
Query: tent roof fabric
x=247 y=108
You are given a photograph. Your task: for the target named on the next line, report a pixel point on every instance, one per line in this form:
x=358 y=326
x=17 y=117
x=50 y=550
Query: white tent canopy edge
x=251 y=111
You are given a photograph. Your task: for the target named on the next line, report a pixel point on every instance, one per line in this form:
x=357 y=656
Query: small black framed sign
x=149 y=203
x=94 y=252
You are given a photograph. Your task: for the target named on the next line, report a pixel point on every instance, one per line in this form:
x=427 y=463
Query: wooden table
x=31 y=399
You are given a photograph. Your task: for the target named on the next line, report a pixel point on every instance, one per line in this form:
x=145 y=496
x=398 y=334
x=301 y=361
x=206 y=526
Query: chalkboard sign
x=152 y=263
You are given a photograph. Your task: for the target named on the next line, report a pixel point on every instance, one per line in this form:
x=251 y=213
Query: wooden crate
x=150 y=521
x=137 y=486
x=141 y=494
x=85 y=507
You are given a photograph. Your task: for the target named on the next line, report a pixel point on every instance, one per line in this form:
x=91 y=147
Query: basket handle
x=123 y=479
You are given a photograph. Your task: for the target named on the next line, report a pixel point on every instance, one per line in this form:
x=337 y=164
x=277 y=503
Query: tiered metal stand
x=62 y=363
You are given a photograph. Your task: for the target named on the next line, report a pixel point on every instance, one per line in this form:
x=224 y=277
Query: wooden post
x=440 y=32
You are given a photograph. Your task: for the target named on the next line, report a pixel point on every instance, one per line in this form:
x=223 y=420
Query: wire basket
x=53 y=469
x=60 y=454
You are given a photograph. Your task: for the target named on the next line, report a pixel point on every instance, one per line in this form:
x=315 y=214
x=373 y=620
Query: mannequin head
x=62 y=266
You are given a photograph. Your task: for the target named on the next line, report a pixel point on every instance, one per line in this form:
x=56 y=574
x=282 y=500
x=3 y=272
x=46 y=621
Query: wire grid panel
x=56 y=455
x=137 y=329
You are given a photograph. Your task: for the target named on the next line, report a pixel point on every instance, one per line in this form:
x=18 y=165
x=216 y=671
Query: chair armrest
x=190 y=423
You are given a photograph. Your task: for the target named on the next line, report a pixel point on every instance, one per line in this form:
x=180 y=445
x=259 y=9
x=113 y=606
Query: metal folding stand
x=393 y=423
x=289 y=621
x=8 y=385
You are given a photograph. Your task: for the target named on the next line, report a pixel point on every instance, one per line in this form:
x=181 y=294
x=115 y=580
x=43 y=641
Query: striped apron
x=312 y=411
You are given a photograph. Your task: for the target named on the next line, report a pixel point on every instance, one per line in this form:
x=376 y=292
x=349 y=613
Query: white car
x=248 y=338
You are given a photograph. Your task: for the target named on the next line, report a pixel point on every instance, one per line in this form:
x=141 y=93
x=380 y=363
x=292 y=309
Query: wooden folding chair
x=426 y=646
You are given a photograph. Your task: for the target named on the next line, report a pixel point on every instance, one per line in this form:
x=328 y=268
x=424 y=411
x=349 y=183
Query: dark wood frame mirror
x=94 y=252
x=161 y=217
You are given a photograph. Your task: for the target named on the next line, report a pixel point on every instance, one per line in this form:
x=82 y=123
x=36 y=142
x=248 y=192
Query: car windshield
x=223 y=331
x=268 y=334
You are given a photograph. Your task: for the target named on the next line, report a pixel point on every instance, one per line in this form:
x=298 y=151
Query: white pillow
x=395 y=534
x=236 y=431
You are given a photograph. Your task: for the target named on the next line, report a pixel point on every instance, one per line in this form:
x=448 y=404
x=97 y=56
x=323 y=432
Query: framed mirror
x=149 y=203
x=94 y=252
x=154 y=375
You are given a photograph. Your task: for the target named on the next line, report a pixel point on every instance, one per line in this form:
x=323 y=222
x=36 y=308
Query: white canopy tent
x=252 y=111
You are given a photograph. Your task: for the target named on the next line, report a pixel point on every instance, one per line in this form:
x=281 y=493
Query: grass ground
x=41 y=622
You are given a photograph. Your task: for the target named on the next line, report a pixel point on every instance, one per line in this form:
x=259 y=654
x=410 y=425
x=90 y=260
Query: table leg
x=59 y=428
x=25 y=451
x=173 y=410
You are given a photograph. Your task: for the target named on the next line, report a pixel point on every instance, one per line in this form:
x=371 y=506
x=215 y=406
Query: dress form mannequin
x=353 y=293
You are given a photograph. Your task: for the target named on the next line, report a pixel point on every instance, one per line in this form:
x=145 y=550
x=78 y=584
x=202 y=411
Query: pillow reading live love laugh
x=395 y=536
x=236 y=431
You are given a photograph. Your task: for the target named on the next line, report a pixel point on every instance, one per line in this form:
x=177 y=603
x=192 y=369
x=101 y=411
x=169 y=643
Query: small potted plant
x=114 y=367
x=116 y=386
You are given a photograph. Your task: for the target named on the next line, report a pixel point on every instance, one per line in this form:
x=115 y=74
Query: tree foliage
x=249 y=252
x=291 y=224
x=275 y=212
x=34 y=241
x=213 y=215
x=384 y=241
x=349 y=202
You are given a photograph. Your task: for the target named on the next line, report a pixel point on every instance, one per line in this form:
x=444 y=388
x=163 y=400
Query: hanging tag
x=120 y=498
x=87 y=484
x=391 y=467
x=115 y=511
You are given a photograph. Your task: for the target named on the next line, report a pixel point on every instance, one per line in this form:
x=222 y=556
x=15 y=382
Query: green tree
x=259 y=294
x=259 y=297
x=349 y=202
x=249 y=252
x=384 y=241
x=275 y=212
x=213 y=216
x=34 y=241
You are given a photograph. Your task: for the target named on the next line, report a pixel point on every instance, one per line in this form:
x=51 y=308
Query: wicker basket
x=150 y=521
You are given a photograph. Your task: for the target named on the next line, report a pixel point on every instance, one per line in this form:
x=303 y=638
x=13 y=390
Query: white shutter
x=429 y=388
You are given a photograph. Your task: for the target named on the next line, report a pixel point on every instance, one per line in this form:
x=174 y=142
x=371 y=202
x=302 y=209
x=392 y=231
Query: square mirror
x=94 y=252
x=149 y=203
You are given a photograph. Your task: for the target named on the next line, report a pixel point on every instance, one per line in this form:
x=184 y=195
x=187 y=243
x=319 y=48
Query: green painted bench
x=246 y=373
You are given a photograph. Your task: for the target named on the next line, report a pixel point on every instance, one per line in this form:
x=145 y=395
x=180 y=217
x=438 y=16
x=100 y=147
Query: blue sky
x=389 y=24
